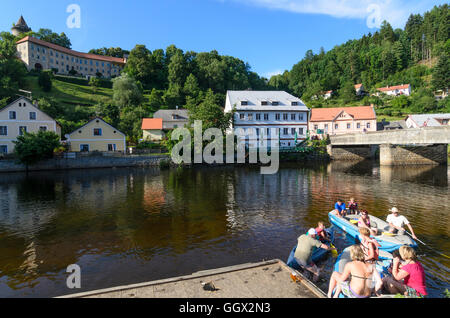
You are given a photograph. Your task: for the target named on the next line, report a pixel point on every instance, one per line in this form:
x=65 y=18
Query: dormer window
x=244 y=103
x=264 y=103
x=294 y=104
x=275 y=103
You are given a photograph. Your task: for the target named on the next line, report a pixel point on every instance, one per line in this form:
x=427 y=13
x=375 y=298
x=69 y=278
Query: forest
x=164 y=79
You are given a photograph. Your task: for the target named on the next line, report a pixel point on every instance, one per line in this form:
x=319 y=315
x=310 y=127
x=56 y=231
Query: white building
x=404 y=89
x=268 y=116
x=427 y=120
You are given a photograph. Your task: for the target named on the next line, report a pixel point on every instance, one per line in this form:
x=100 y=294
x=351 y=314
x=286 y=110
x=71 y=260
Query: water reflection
x=126 y=226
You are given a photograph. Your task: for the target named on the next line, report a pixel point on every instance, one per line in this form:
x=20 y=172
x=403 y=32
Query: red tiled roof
x=152 y=124
x=328 y=114
x=391 y=88
x=357 y=86
x=72 y=52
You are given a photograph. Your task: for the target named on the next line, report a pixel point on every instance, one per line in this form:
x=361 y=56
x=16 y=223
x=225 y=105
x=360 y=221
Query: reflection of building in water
x=258 y=200
x=154 y=195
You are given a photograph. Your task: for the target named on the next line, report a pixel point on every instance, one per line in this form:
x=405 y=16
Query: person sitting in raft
x=364 y=222
x=364 y=278
x=339 y=208
x=305 y=247
x=321 y=233
x=369 y=246
x=352 y=206
x=396 y=223
x=411 y=272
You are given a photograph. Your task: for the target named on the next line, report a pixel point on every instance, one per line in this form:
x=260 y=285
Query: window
x=3 y=130
x=112 y=147
x=84 y=148
x=43 y=128
x=241 y=116
x=294 y=104
x=336 y=126
x=285 y=131
x=266 y=116
x=368 y=125
x=316 y=127
x=275 y=103
x=349 y=126
x=22 y=130
x=301 y=131
x=293 y=131
x=285 y=116
x=3 y=149
x=264 y=103
x=358 y=125
x=268 y=131
x=250 y=116
x=293 y=116
x=277 y=116
x=244 y=103
x=326 y=126
x=32 y=115
x=257 y=131
x=258 y=116
x=12 y=115
x=97 y=131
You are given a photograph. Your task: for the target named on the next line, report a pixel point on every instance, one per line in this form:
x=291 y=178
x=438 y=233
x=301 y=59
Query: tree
x=348 y=92
x=12 y=70
x=126 y=91
x=52 y=37
x=441 y=73
x=94 y=82
x=45 y=80
x=140 y=65
x=34 y=147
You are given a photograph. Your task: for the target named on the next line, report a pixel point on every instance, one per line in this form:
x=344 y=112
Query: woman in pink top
x=411 y=272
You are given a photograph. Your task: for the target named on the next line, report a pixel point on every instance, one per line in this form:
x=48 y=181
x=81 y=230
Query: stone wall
x=392 y=155
x=351 y=153
x=90 y=162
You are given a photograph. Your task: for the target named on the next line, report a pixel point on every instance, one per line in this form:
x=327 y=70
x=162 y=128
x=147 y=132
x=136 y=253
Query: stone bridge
x=396 y=147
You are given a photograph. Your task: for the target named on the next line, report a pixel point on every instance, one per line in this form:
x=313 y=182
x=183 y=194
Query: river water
x=131 y=225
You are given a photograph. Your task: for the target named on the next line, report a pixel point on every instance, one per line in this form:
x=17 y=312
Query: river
x=131 y=225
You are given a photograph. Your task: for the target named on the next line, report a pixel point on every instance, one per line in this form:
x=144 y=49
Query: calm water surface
x=125 y=226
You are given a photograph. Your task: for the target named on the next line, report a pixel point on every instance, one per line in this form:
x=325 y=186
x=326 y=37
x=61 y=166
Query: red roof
x=329 y=114
x=357 y=86
x=72 y=52
x=152 y=124
x=391 y=88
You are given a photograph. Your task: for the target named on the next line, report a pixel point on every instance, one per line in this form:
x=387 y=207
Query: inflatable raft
x=389 y=242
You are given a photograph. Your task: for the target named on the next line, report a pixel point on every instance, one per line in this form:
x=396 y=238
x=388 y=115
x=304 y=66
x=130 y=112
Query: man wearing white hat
x=305 y=247
x=396 y=223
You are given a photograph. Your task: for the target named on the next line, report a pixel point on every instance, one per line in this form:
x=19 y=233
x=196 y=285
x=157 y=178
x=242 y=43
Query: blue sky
x=271 y=35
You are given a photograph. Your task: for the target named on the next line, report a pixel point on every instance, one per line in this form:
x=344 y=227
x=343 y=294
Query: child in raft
x=352 y=206
x=321 y=233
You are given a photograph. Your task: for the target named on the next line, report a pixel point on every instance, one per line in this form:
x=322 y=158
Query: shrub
x=34 y=147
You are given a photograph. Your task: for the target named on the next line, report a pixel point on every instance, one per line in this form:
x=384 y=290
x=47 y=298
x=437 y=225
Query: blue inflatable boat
x=317 y=255
x=389 y=242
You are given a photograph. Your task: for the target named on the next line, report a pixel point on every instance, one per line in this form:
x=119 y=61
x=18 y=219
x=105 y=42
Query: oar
x=426 y=245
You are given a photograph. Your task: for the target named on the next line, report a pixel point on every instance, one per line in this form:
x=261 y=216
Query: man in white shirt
x=396 y=223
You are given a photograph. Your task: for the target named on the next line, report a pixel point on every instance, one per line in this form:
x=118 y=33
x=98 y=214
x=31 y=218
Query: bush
x=34 y=147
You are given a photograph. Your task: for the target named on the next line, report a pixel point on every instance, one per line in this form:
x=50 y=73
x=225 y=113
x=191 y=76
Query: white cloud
x=396 y=12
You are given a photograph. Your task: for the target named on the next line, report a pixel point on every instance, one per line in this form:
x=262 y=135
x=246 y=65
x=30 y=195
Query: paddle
x=426 y=245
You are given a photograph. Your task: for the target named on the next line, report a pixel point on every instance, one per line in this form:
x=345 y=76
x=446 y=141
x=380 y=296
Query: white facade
x=396 y=90
x=19 y=117
x=268 y=116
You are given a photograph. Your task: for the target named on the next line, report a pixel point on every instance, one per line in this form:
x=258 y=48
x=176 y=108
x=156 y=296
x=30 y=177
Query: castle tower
x=20 y=27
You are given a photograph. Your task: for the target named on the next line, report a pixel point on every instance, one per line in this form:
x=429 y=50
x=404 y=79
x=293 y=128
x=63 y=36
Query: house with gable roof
x=22 y=116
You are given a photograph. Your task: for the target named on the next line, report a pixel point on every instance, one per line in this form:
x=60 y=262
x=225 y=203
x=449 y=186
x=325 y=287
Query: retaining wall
x=84 y=163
